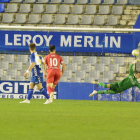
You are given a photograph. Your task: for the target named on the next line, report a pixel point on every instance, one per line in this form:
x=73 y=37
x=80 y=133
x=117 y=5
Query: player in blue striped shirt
x=37 y=74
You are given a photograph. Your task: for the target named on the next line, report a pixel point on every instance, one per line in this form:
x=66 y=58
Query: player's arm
x=44 y=70
x=131 y=67
x=32 y=58
x=63 y=68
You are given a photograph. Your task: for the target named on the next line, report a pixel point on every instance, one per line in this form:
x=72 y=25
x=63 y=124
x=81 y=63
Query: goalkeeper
x=118 y=87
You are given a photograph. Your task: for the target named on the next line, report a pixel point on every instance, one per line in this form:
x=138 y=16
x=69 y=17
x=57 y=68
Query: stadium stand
x=83 y=13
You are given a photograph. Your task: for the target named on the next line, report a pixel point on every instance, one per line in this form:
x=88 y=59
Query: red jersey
x=53 y=61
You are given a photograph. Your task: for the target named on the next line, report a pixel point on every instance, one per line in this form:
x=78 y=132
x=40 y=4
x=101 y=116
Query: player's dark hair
x=32 y=46
x=51 y=48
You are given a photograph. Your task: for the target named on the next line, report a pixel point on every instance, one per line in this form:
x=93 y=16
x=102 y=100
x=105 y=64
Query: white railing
x=68 y=29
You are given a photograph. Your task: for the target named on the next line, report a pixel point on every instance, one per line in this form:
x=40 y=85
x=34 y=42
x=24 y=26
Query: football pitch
x=69 y=120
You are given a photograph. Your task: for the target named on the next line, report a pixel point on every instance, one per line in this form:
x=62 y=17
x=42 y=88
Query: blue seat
x=4 y=0
x=2 y=8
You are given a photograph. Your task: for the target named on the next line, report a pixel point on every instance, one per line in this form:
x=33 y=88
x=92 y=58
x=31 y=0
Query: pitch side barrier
x=66 y=90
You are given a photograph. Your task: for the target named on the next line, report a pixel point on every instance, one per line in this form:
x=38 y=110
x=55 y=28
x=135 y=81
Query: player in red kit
x=53 y=73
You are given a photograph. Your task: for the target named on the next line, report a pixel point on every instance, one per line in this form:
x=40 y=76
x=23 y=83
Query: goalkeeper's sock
x=52 y=89
x=103 y=85
x=44 y=92
x=30 y=93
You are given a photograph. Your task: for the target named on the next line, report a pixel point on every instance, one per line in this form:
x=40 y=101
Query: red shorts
x=53 y=76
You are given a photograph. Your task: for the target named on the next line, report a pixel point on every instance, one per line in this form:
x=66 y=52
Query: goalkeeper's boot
x=93 y=93
x=51 y=96
x=94 y=82
x=48 y=101
x=26 y=101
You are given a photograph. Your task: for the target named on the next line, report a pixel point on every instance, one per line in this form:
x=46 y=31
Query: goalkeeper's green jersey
x=129 y=81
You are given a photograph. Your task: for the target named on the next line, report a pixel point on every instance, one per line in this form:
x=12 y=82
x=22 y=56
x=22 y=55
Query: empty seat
x=65 y=59
x=82 y=1
x=90 y=9
x=108 y=2
x=95 y=2
x=42 y=1
x=69 y=1
x=103 y=10
x=46 y=19
x=27 y=65
x=38 y=8
x=8 y=58
x=25 y=8
x=80 y=73
x=88 y=80
x=77 y=59
x=108 y=74
x=20 y=18
x=103 y=80
x=122 y=2
x=73 y=19
x=117 y=10
x=17 y=65
x=94 y=74
x=91 y=59
x=16 y=1
x=99 y=67
x=51 y=9
x=33 y=18
x=12 y=72
x=86 y=67
x=105 y=60
x=67 y=73
x=77 y=79
x=29 y=1
x=64 y=9
x=112 y=20
x=1 y=72
x=114 y=68
x=119 y=60
x=77 y=9
x=86 y=20
x=20 y=78
x=4 y=65
x=6 y=78
x=72 y=66
x=12 y=8
x=56 y=1
x=60 y=19
x=63 y=79
x=7 y=18
x=99 y=20
x=22 y=58
x=2 y=8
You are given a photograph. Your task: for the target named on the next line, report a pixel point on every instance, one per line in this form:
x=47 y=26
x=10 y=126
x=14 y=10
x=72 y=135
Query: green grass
x=69 y=120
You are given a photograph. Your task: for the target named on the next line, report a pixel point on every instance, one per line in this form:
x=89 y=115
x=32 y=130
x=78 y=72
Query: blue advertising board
x=68 y=41
x=19 y=90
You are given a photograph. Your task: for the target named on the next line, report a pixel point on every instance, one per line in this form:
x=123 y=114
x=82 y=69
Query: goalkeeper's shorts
x=115 y=87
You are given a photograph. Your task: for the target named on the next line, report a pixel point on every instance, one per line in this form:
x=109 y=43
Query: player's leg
x=39 y=81
x=56 y=79
x=101 y=84
x=30 y=92
x=50 y=81
x=103 y=92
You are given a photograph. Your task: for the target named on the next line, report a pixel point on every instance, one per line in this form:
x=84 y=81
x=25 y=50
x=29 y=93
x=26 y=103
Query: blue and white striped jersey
x=37 y=59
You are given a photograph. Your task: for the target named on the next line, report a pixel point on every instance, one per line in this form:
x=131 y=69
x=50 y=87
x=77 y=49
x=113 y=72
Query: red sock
x=49 y=89
x=52 y=89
